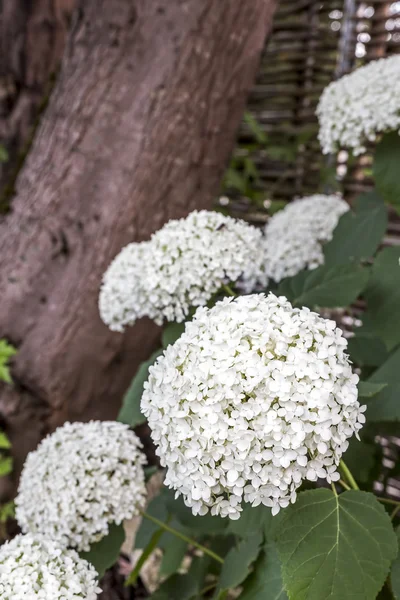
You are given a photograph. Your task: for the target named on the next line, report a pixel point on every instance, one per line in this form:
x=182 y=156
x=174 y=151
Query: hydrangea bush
x=33 y=567
x=183 y=265
x=253 y=399
x=267 y=409
x=289 y=248
x=81 y=479
x=359 y=106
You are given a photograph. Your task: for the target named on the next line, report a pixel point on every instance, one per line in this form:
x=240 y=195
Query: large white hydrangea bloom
x=183 y=265
x=35 y=568
x=79 y=479
x=255 y=397
x=359 y=106
x=294 y=236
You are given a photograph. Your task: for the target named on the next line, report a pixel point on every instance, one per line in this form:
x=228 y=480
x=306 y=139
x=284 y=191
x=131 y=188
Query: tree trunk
x=138 y=130
x=32 y=37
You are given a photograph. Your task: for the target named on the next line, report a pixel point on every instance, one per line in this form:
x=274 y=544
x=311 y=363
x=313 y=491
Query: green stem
x=333 y=488
x=206 y=589
x=183 y=537
x=348 y=475
x=394 y=513
x=344 y=484
x=228 y=289
x=388 y=501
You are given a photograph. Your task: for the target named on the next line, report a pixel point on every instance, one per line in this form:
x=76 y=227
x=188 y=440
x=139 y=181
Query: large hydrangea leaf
x=359 y=232
x=335 y=547
x=266 y=580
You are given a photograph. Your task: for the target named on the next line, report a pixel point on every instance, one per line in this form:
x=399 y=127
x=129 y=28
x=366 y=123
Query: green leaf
x=238 y=561
x=395 y=573
x=3 y=154
x=151 y=546
x=130 y=411
x=360 y=458
x=184 y=587
x=336 y=547
x=6 y=464
x=173 y=556
x=266 y=581
x=7 y=511
x=4 y=441
x=385 y=405
x=386 y=167
x=234 y=180
x=104 y=554
x=171 y=333
x=251 y=521
x=383 y=297
x=366 y=349
x=255 y=127
x=6 y=352
x=326 y=286
x=368 y=389
x=208 y=524
x=359 y=233
x=158 y=509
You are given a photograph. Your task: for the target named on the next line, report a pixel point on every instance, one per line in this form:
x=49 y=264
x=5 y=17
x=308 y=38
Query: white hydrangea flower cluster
x=80 y=479
x=294 y=236
x=254 y=398
x=359 y=106
x=183 y=265
x=35 y=568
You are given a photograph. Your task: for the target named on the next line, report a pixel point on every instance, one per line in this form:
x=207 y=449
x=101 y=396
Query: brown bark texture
x=32 y=38
x=138 y=130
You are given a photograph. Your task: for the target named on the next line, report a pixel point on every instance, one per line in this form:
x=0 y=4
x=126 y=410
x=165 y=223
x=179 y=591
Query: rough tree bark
x=32 y=38
x=138 y=130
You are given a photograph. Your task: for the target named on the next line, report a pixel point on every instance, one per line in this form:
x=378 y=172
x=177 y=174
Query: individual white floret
x=254 y=398
x=359 y=106
x=79 y=480
x=183 y=265
x=35 y=568
x=294 y=236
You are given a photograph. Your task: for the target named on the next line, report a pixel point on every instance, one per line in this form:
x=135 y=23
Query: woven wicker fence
x=312 y=44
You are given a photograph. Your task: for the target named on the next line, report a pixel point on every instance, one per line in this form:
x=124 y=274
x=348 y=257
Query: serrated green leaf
x=171 y=333
x=266 y=580
x=326 y=286
x=238 y=561
x=359 y=232
x=130 y=411
x=383 y=297
x=336 y=547
x=369 y=389
x=386 y=167
x=104 y=554
x=395 y=572
x=252 y=520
